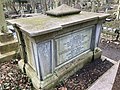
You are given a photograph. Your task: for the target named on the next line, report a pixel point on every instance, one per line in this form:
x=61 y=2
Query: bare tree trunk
x=93 y=6
x=44 y=6
x=118 y=12
x=3 y=27
x=64 y=1
x=51 y=4
x=71 y=2
x=56 y=3
x=10 y=5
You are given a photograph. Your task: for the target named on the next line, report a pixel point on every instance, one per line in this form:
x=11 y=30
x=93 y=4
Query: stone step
x=7 y=56
x=6 y=37
x=8 y=46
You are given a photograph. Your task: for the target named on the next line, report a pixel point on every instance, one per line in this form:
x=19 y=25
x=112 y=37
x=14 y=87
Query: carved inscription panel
x=71 y=45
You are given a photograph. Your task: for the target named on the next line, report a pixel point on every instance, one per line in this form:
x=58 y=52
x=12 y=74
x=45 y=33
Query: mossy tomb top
x=43 y=24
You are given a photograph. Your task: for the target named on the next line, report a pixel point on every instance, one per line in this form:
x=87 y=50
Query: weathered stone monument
x=56 y=45
x=8 y=45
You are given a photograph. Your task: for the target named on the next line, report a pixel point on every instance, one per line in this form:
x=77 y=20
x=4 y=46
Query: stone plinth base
x=7 y=56
x=8 y=47
x=6 y=37
x=31 y=73
x=60 y=73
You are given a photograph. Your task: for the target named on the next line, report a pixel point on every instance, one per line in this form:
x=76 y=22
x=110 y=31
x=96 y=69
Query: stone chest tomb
x=56 y=45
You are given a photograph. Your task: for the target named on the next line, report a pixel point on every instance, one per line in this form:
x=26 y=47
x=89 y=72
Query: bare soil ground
x=86 y=76
x=11 y=77
x=111 y=49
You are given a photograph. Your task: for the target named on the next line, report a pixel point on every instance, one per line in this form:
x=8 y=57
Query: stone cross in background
x=3 y=27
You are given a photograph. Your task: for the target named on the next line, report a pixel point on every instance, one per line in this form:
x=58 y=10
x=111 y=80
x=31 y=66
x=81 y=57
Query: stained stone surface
x=43 y=24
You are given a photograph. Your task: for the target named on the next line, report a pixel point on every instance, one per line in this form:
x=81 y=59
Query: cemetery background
x=107 y=44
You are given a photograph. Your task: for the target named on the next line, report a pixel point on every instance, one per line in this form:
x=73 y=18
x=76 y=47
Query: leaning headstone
x=56 y=45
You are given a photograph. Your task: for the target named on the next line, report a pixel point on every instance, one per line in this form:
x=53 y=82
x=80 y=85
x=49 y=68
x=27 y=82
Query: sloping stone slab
x=63 y=10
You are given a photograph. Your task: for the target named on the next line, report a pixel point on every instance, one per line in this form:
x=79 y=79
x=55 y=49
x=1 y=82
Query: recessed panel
x=73 y=44
x=44 y=55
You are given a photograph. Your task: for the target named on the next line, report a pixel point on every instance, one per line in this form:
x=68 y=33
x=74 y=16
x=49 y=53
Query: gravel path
x=116 y=85
x=111 y=50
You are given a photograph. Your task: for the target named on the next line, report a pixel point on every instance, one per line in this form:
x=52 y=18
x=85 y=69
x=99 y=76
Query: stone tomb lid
x=42 y=24
x=63 y=10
